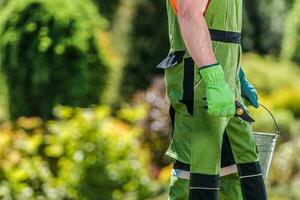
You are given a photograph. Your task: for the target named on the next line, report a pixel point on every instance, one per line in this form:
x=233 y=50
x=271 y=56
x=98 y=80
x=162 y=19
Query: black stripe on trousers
x=181 y=166
x=172 y=116
x=188 y=85
x=204 y=187
x=252 y=183
x=227 y=158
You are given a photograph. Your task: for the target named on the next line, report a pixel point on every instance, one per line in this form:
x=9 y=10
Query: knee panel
x=252 y=183
x=204 y=187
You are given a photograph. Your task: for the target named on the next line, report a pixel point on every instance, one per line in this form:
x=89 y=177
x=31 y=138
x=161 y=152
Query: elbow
x=187 y=15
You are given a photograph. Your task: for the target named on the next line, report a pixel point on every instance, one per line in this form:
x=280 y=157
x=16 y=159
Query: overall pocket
x=179 y=79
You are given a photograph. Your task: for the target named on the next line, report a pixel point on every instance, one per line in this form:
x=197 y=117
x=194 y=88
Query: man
x=230 y=184
x=202 y=83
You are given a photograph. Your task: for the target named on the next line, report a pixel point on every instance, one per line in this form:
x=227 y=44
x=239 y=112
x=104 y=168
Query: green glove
x=220 y=100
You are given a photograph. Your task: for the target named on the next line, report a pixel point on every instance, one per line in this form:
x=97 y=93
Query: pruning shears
x=241 y=112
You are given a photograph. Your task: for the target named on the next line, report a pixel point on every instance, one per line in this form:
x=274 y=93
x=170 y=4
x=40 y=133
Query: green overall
x=197 y=136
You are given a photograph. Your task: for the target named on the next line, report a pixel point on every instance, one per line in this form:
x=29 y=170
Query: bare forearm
x=196 y=35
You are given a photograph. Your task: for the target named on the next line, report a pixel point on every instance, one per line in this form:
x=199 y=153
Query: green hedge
x=85 y=154
x=143 y=43
x=291 y=42
x=50 y=56
x=278 y=86
x=262 y=25
x=107 y=8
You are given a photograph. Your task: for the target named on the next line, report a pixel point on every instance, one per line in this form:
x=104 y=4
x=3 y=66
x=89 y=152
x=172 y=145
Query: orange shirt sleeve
x=175 y=8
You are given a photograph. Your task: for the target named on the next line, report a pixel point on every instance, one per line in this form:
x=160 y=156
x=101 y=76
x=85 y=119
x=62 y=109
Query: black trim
x=225 y=36
x=204 y=187
x=171 y=60
x=189 y=106
x=188 y=85
x=172 y=117
x=181 y=165
x=208 y=66
x=248 y=169
x=203 y=195
x=227 y=158
x=204 y=180
x=253 y=187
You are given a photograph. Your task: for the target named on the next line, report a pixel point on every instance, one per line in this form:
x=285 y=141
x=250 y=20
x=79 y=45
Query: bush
x=276 y=91
x=2 y=2
x=107 y=8
x=50 y=56
x=146 y=42
x=85 y=154
x=291 y=42
x=156 y=126
x=262 y=25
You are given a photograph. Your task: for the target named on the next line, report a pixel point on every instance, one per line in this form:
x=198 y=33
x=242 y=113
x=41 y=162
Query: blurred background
x=83 y=112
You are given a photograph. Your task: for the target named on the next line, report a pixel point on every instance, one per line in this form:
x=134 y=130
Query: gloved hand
x=248 y=91
x=220 y=100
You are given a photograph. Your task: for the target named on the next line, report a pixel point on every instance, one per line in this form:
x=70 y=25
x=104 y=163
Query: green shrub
x=291 y=42
x=85 y=154
x=50 y=56
x=263 y=24
x=2 y=2
x=143 y=43
x=278 y=86
x=156 y=126
x=107 y=8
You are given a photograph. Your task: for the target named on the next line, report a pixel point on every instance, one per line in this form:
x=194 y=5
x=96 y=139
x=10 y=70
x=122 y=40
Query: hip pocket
x=179 y=79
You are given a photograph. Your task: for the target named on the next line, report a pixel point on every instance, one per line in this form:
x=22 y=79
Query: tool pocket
x=179 y=79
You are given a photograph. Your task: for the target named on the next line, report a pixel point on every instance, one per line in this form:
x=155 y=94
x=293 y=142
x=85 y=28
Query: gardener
x=202 y=83
x=230 y=183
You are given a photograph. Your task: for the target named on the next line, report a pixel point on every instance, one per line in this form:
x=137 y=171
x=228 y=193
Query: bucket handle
x=273 y=118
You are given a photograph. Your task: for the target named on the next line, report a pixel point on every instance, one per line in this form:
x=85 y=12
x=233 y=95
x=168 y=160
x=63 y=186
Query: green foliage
x=107 y=8
x=1 y=3
x=291 y=42
x=278 y=87
x=50 y=56
x=263 y=25
x=146 y=42
x=85 y=154
x=3 y=102
x=156 y=126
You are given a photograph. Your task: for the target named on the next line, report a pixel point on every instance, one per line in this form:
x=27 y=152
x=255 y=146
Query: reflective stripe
x=203 y=188
x=228 y=170
x=250 y=176
x=181 y=174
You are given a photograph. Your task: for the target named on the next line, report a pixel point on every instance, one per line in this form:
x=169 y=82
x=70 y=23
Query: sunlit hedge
x=85 y=154
x=278 y=86
x=50 y=56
